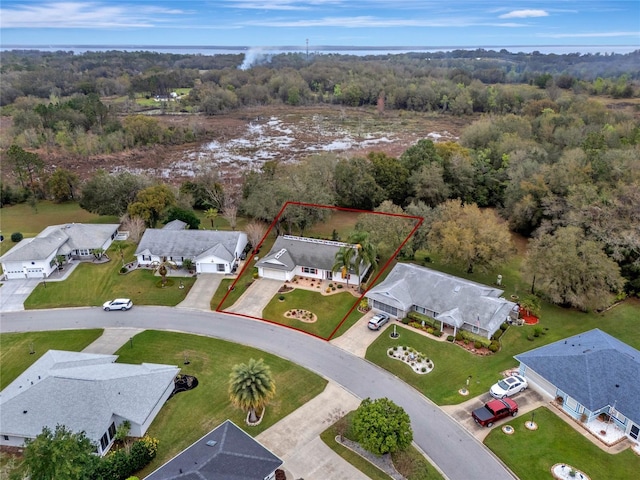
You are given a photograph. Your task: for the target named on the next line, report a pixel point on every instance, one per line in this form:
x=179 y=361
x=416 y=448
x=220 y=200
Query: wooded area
x=550 y=146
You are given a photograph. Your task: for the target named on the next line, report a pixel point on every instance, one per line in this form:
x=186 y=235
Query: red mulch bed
x=528 y=318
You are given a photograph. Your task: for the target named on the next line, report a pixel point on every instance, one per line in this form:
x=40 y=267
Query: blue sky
x=263 y=23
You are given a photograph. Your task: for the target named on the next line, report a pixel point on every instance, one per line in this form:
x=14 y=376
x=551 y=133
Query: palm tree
x=163 y=268
x=366 y=251
x=211 y=214
x=251 y=387
x=119 y=248
x=344 y=262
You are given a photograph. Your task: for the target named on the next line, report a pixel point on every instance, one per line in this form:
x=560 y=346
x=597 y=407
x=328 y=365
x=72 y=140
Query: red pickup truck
x=494 y=411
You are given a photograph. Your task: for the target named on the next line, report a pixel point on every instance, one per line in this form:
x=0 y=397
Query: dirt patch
x=245 y=139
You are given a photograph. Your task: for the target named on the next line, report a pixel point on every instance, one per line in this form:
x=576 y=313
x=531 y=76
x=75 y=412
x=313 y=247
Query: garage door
x=540 y=384
x=210 y=268
x=274 y=274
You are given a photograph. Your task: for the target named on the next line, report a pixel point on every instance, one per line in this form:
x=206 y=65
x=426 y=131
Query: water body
x=343 y=50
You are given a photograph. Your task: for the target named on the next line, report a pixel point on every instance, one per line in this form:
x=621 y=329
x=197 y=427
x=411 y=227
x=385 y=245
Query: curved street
x=456 y=452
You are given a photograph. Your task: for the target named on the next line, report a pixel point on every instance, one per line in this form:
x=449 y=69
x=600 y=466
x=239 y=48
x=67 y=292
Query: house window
x=104 y=442
x=220 y=267
x=112 y=430
x=309 y=270
x=6 y=437
x=571 y=403
x=146 y=258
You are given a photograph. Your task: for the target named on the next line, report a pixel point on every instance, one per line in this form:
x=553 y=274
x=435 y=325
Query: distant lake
x=342 y=50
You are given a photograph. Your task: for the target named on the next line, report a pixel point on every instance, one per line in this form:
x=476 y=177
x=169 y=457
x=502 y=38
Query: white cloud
x=375 y=22
x=84 y=15
x=525 y=14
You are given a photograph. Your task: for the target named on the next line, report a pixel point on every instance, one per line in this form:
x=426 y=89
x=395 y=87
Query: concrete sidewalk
x=112 y=339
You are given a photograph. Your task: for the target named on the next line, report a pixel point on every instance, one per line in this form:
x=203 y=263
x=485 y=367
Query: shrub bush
x=418 y=317
x=123 y=269
x=472 y=337
x=497 y=335
x=281 y=298
x=450 y=338
x=339 y=286
x=477 y=344
x=458 y=336
x=504 y=326
x=494 y=347
x=530 y=337
x=437 y=333
x=16 y=237
x=537 y=331
x=430 y=331
x=405 y=320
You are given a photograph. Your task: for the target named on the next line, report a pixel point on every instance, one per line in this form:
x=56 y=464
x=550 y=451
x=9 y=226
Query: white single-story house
x=36 y=257
x=226 y=452
x=453 y=301
x=592 y=373
x=307 y=257
x=211 y=251
x=85 y=392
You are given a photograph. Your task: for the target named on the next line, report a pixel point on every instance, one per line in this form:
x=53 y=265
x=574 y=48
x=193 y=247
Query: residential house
x=38 y=257
x=453 y=301
x=307 y=257
x=590 y=373
x=86 y=392
x=211 y=251
x=226 y=452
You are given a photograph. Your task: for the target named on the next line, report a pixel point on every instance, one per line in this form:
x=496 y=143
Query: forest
x=550 y=147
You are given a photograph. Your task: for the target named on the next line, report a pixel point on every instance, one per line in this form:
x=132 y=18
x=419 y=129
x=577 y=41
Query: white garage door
x=274 y=274
x=540 y=384
x=209 y=268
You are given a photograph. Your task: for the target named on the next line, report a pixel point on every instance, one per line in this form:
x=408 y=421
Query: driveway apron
x=13 y=293
x=256 y=297
x=202 y=291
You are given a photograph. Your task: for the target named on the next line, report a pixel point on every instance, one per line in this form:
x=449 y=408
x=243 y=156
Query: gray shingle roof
x=234 y=456
x=72 y=236
x=289 y=251
x=594 y=368
x=81 y=391
x=188 y=243
x=455 y=300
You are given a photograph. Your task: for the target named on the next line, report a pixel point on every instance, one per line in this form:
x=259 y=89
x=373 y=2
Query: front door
x=328 y=274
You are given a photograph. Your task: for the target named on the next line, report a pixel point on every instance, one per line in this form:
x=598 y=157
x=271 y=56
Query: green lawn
x=329 y=309
x=189 y=415
x=453 y=364
x=531 y=454
x=93 y=284
x=15 y=356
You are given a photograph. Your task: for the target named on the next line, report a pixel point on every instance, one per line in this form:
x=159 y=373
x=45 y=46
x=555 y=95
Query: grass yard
x=531 y=454
x=189 y=415
x=453 y=364
x=340 y=221
x=330 y=309
x=15 y=347
x=93 y=284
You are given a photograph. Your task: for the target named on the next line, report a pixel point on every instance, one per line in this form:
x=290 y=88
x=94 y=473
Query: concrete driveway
x=527 y=401
x=256 y=297
x=199 y=297
x=13 y=293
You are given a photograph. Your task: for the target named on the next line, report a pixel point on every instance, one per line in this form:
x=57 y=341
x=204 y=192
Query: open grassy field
x=93 y=284
x=15 y=356
x=189 y=415
x=532 y=453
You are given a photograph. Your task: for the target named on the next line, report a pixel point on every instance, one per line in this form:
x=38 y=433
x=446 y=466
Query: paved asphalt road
x=450 y=446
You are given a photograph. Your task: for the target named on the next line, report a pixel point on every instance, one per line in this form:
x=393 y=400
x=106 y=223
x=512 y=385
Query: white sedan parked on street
x=509 y=386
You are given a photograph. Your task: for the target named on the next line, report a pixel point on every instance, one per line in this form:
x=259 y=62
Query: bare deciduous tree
x=134 y=225
x=230 y=214
x=255 y=231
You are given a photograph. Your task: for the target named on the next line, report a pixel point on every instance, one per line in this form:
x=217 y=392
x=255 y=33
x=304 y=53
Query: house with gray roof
x=86 y=392
x=590 y=373
x=37 y=257
x=226 y=452
x=307 y=257
x=211 y=251
x=453 y=301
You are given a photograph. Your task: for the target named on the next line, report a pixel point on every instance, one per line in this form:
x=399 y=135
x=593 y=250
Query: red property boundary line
x=419 y=221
